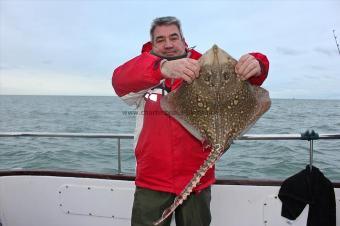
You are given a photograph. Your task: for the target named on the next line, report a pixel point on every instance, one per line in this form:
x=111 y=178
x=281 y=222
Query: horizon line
x=114 y=95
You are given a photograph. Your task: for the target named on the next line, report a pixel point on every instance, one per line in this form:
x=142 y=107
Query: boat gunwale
x=130 y=177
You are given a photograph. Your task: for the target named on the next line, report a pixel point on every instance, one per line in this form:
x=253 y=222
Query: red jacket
x=167 y=154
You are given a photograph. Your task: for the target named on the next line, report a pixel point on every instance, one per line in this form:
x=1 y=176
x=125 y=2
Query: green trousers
x=149 y=205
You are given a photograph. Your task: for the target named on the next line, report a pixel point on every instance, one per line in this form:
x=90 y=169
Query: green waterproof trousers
x=149 y=205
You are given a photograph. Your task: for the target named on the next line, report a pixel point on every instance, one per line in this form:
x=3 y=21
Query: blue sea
x=82 y=114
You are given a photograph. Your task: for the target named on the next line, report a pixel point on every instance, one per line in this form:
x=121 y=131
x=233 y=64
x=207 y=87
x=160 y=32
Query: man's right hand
x=185 y=68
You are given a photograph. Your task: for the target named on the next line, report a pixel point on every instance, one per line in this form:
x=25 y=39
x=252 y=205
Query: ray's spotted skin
x=216 y=108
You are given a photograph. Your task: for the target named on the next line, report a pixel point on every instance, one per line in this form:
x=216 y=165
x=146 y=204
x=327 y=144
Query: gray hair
x=167 y=20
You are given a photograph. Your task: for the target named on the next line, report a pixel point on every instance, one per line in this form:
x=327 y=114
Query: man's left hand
x=247 y=67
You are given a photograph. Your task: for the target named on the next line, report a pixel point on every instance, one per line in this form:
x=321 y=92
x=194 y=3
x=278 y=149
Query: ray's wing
x=192 y=105
x=241 y=105
x=182 y=112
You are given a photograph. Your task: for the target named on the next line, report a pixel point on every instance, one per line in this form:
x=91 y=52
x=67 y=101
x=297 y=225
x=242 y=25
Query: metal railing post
x=311 y=154
x=119 y=160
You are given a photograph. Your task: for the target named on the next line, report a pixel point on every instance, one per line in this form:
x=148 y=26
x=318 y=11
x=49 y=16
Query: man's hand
x=247 y=67
x=185 y=68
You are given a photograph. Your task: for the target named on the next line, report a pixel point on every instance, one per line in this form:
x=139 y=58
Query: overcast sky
x=71 y=47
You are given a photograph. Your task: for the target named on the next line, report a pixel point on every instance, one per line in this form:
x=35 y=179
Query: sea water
x=275 y=159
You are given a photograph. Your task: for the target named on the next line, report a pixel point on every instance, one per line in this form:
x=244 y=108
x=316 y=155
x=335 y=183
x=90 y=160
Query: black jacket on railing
x=313 y=188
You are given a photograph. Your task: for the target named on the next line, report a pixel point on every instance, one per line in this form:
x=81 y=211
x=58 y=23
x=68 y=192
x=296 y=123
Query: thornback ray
x=216 y=108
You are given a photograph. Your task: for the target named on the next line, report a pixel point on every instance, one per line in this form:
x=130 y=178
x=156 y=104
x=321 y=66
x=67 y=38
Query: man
x=167 y=154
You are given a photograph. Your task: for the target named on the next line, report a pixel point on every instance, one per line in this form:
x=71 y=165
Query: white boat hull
x=52 y=200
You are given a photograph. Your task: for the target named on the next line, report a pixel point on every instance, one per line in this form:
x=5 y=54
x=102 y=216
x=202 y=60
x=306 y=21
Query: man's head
x=167 y=37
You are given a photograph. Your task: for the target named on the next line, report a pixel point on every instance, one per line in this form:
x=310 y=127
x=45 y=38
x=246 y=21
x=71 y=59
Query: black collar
x=171 y=58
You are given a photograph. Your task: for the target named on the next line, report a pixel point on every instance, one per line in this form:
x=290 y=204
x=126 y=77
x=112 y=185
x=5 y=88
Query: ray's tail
x=208 y=163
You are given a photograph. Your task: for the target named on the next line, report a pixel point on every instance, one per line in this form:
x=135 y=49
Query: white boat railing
x=309 y=136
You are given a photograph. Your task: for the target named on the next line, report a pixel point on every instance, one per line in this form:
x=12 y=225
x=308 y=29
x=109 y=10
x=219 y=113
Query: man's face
x=167 y=41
